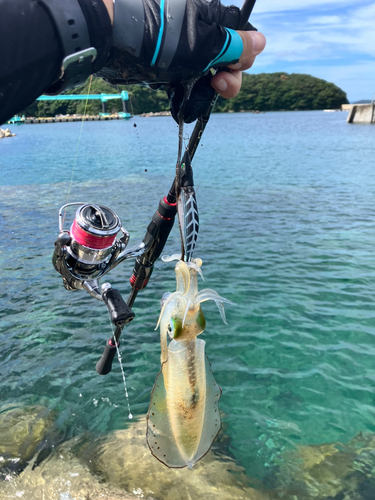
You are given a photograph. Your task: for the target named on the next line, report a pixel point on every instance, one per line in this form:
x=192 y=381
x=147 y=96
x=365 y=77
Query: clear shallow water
x=287 y=233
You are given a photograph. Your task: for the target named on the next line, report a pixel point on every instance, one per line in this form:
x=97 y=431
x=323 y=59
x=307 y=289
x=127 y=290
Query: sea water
x=287 y=232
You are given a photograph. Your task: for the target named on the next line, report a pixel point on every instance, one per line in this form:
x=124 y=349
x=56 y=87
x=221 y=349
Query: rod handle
x=104 y=365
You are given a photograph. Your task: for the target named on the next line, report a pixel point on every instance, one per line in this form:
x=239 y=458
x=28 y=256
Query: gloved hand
x=162 y=43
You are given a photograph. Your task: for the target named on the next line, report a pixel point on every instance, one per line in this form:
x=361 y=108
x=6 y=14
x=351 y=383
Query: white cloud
x=333 y=20
x=330 y=39
x=358 y=80
x=267 y=6
x=320 y=37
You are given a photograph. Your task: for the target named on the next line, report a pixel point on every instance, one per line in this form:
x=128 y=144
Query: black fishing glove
x=162 y=43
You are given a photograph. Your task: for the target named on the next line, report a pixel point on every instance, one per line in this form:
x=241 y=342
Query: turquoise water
x=287 y=233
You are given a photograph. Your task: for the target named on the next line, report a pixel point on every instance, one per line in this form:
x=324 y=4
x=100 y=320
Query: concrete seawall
x=361 y=113
x=77 y=118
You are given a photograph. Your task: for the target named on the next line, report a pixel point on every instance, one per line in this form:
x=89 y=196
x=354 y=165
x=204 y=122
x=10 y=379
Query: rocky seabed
x=6 y=133
x=35 y=464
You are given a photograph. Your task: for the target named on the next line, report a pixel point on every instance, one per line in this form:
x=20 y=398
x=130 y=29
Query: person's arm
x=228 y=84
x=33 y=49
x=32 y=54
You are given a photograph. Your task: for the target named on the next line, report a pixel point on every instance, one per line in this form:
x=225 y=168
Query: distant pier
x=104 y=98
x=76 y=118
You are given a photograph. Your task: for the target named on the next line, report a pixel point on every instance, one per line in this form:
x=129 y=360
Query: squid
x=183 y=419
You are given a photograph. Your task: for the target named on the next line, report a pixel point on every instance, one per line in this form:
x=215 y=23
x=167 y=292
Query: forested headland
x=261 y=92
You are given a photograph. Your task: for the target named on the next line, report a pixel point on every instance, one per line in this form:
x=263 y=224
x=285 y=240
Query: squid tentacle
x=186 y=311
x=194 y=266
x=208 y=294
x=182 y=271
x=220 y=306
x=169 y=258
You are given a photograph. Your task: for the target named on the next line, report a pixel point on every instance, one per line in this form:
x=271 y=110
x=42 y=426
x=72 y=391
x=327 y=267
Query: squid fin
x=212 y=421
x=159 y=430
x=162 y=438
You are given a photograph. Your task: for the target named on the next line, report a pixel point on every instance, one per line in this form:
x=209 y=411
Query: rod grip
x=104 y=365
x=156 y=236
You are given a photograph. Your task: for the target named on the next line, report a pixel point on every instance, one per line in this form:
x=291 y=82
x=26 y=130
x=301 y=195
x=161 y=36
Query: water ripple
x=287 y=233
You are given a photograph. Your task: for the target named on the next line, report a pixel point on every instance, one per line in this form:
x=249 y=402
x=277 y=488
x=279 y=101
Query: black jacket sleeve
x=31 y=53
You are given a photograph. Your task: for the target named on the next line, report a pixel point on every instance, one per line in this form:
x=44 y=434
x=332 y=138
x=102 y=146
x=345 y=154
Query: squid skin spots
x=184 y=419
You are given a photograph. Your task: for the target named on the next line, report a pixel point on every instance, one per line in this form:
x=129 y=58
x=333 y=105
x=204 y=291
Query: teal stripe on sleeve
x=229 y=53
x=160 y=36
x=222 y=50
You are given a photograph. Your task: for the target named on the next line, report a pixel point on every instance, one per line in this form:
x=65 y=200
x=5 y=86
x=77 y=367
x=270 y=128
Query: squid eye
x=171 y=327
x=174 y=328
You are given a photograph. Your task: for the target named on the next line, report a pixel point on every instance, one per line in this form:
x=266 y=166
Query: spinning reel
x=97 y=243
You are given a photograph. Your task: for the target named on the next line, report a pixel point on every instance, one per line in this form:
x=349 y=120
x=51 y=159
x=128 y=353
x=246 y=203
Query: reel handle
x=104 y=365
x=120 y=312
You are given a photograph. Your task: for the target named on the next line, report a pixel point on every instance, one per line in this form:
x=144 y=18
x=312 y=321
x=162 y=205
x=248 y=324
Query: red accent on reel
x=170 y=204
x=90 y=240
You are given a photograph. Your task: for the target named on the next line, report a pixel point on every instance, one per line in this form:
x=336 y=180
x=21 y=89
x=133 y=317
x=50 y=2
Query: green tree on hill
x=280 y=91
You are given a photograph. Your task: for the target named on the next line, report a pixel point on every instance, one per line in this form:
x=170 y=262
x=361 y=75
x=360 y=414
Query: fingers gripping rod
x=245 y=12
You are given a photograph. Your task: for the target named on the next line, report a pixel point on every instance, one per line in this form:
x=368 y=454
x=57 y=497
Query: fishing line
x=130 y=416
x=78 y=143
x=135 y=129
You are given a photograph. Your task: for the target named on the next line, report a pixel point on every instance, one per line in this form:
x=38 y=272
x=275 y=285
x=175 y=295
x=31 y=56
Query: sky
x=329 y=39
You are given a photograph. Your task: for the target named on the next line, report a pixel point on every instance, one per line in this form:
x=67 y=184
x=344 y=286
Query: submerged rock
x=120 y=466
x=124 y=460
x=6 y=133
x=329 y=471
x=61 y=477
x=314 y=472
x=23 y=431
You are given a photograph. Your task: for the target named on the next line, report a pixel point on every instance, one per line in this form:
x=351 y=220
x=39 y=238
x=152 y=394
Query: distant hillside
x=263 y=92
x=363 y=101
x=280 y=91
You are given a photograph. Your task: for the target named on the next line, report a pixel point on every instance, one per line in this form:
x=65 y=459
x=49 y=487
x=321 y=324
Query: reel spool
x=86 y=252
x=93 y=236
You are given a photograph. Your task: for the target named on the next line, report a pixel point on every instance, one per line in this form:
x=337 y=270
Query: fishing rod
x=182 y=190
x=195 y=138
x=90 y=249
